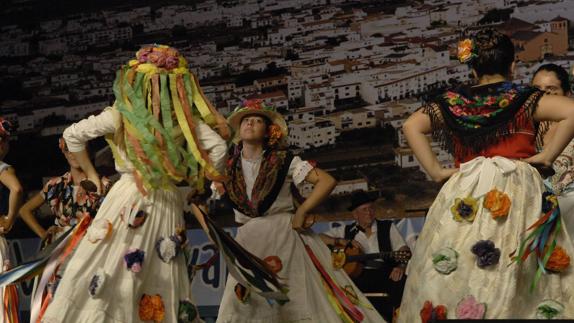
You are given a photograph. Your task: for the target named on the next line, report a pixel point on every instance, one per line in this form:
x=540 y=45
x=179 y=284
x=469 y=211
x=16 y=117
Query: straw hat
x=257 y=107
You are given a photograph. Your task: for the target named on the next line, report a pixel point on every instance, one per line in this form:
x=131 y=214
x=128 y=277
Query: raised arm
x=78 y=134
x=415 y=128
x=324 y=184
x=559 y=109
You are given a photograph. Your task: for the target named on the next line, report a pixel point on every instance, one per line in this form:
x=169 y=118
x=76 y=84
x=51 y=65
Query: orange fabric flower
x=274 y=263
x=274 y=134
x=464 y=52
x=558 y=261
x=498 y=203
x=151 y=308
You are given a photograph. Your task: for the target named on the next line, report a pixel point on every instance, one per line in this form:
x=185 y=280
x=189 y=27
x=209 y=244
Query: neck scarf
x=272 y=173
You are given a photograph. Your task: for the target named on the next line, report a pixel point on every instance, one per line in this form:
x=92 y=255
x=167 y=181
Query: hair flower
x=465 y=50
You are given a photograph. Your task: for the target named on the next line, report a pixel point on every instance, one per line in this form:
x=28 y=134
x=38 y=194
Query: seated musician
x=379 y=276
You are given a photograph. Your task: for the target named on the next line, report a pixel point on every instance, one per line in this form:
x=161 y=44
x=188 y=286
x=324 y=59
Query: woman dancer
x=69 y=201
x=8 y=179
x=130 y=266
x=553 y=79
x=492 y=246
x=260 y=177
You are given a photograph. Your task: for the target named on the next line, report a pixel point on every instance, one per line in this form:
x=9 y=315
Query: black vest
x=383 y=236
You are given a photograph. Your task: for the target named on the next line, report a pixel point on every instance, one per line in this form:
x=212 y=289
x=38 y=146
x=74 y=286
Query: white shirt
x=371 y=244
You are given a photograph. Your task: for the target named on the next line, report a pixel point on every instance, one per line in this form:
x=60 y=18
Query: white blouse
x=298 y=170
x=109 y=120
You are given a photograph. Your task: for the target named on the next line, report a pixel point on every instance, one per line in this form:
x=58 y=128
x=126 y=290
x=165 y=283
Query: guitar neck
x=371 y=256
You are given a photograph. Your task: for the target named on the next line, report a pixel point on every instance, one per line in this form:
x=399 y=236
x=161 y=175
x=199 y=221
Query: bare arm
x=559 y=109
x=27 y=214
x=9 y=179
x=415 y=128
x=78 y=134
x=324 y=184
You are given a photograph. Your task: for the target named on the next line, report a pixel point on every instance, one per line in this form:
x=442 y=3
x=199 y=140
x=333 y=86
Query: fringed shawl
x=468 y=120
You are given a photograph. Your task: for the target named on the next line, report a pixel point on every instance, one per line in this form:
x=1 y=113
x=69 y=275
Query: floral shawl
x=68 y=205
x=467 y=120
x=272 y=174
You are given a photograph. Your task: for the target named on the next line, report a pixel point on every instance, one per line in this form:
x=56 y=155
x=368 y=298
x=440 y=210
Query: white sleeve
x=3 y=166
x=336 y=232
x=92 y=127
x=213 y=144
x=397 y=240
x=299 y=169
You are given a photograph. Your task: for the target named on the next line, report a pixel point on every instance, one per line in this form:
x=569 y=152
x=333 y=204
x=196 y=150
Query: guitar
x=351 y=259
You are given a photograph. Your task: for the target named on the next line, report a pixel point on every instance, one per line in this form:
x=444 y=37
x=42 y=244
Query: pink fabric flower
x=469 y=309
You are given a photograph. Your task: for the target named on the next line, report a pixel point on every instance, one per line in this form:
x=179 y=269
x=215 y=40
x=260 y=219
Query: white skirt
x=272 y=235
x=119 y=296
x=504 y=287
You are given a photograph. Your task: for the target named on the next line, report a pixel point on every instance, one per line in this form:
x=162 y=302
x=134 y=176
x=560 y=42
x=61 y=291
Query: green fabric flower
x=445 y=260
x=549 y=309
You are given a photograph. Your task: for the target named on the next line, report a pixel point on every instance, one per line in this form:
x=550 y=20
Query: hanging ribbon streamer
x=542 y=240
x=11 y=300
x=352 y=313
x=246 y=268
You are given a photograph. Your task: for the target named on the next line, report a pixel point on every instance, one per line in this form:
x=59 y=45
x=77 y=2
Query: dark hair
x=560 y=73
x=494 y=53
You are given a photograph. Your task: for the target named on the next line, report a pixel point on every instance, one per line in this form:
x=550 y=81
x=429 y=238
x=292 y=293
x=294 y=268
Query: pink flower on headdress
x=253 y=104
x=142 y=54
x=160 y=56
x=171 y=62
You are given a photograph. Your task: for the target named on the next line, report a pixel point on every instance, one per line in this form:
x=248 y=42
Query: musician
x=373 y=236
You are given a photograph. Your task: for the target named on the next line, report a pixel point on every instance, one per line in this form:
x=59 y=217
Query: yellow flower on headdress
x=464 y=52
x=503 y=103
x=147 y=68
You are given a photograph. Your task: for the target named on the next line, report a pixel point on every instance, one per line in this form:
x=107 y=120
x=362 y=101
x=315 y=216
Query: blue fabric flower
x=134 y=259
x=486 y=253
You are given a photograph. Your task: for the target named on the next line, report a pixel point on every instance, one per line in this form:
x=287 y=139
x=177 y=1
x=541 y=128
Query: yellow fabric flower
x=147 y=68
x=503 y=103
x=464 y=209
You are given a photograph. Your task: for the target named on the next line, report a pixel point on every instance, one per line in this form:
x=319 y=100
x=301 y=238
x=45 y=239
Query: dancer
x=130 y=267
x=68 y=201
x=8 y=179
x=492 y=246
x=260 y=178
x=553 y=79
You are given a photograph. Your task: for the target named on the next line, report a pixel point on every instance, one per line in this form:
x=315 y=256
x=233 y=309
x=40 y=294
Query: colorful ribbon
x=542 y=240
